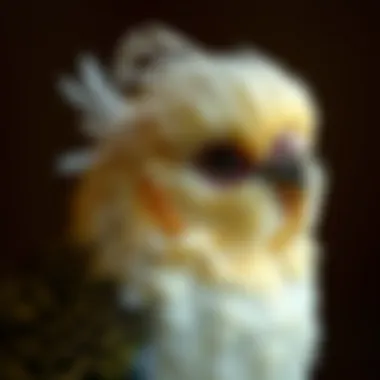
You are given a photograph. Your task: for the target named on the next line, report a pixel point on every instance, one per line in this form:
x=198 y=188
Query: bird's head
x=219 y=143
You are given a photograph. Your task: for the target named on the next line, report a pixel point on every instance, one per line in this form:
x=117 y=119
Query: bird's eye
x=223 y=163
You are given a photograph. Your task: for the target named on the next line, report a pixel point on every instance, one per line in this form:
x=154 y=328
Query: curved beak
x=284 y=165
x=288 y=172
x=285 y=171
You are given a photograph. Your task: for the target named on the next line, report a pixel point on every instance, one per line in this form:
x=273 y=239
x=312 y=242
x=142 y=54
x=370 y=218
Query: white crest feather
x=101 y=104
x=75 y=162
x=152 y=40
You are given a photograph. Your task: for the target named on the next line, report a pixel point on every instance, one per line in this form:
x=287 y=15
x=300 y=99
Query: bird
x=203 y=199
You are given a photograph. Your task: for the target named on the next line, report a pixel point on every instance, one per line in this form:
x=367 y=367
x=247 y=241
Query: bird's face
x=216 y=144
x=229 y=151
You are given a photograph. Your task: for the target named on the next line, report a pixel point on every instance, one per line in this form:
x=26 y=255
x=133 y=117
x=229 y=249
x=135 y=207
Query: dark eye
x=223 y=163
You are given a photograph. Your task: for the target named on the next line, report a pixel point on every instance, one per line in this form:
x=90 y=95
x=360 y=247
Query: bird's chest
x=208 y=334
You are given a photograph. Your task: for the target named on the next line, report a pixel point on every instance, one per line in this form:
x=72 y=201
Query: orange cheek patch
x=159 y=207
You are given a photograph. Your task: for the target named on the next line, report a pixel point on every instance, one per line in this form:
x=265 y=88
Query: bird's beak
x=284 y=170
x=288 y=172
x=283 y=166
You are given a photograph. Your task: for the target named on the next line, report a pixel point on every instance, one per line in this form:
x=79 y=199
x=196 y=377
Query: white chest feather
x=216 y=334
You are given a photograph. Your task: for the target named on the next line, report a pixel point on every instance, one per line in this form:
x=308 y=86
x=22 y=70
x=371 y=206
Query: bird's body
x=212 y=334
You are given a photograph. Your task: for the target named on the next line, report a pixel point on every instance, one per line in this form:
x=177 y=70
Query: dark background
x=332 y=44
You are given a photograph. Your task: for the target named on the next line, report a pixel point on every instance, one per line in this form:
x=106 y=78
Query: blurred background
x=332 y=44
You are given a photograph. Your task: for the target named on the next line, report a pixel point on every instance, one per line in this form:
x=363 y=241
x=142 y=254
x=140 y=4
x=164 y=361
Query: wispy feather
x=91 y=93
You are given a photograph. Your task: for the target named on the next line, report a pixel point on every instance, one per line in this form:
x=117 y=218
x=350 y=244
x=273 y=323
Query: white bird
x=205 y=205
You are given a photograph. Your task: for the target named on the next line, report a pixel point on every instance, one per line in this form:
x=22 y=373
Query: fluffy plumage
x=230 y=265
